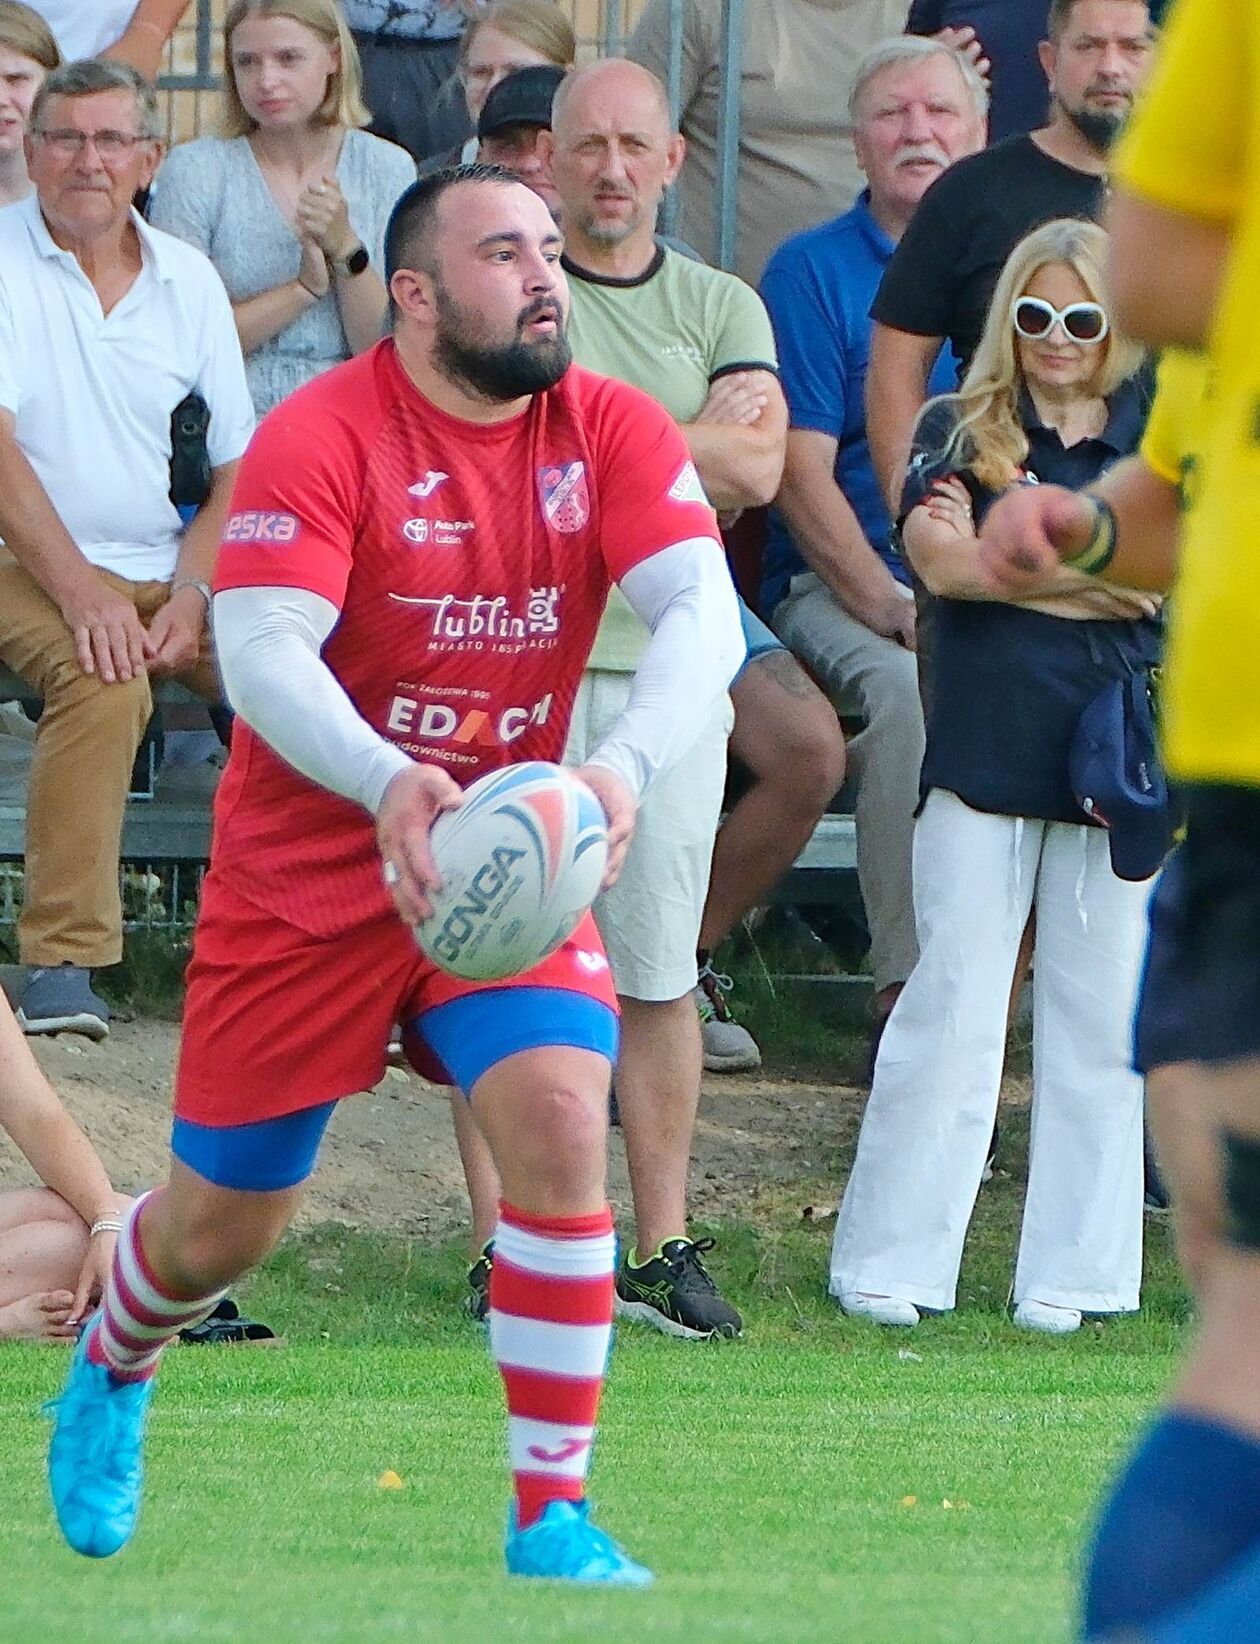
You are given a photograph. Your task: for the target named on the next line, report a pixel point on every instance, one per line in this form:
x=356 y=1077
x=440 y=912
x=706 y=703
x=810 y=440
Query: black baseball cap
x=521 y=99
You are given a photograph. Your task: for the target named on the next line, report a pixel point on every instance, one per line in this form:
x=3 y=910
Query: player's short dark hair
x=409 y=233
x=1061 y=15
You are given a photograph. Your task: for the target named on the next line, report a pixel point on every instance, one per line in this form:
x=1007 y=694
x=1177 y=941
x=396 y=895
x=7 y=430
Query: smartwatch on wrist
x=354 y=262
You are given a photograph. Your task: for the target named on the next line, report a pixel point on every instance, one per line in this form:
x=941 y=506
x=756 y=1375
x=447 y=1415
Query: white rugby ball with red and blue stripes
x=520 y=861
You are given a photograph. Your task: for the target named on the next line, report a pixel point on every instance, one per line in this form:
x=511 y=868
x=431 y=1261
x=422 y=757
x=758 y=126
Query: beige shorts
x=650 y=919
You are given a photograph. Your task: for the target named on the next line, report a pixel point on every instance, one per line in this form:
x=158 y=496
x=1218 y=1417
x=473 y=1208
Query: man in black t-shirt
x=941 y=277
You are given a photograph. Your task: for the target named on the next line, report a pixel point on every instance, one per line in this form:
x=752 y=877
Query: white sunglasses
x=1035 y=319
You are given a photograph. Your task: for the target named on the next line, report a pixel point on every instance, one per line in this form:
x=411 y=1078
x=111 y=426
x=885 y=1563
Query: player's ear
x=414 y=293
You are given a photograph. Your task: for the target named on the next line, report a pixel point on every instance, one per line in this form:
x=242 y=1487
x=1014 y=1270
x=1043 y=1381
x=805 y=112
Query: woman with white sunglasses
x=1050 y=395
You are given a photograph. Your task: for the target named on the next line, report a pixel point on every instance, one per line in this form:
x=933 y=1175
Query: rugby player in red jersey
x=418 y=553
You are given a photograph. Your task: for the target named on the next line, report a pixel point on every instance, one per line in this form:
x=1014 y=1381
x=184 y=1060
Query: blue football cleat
x=563 y=1545
x=95 y=1460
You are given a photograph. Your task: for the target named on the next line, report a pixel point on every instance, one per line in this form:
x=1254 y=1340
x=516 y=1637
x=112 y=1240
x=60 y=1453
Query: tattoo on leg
x=783 y=667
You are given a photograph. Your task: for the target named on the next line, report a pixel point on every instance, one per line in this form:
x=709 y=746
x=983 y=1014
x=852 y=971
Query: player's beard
x=503 y=373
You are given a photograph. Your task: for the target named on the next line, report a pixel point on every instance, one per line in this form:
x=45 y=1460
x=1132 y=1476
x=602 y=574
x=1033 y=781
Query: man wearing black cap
x=516 y=113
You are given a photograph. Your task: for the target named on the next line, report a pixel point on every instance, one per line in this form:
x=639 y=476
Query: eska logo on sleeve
x=256 y=525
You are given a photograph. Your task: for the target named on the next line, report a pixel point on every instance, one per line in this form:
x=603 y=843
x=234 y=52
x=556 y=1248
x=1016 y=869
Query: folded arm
x=737 y=440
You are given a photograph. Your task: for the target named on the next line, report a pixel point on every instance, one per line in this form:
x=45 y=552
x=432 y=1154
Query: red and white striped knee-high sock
x=139 y=1315
x=551 y=1305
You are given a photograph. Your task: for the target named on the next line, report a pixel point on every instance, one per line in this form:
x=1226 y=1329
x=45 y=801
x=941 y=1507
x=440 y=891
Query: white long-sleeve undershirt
x=270 y=641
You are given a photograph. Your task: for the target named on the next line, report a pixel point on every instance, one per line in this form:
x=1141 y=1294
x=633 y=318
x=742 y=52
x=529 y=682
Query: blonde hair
x=343 y=103
x=988 y=437
x=538 y=24
x=24 y=31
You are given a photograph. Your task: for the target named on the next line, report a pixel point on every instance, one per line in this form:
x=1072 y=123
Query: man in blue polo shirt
x=835 y=590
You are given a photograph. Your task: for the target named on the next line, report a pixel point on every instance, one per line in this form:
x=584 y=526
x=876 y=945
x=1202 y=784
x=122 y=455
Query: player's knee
x=569 y=1129
x=1242 y=1191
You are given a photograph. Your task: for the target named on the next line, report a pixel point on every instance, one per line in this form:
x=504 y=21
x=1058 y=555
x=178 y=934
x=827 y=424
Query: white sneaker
x=889 y=1310
x=728 y=1047
x=1052 y=1321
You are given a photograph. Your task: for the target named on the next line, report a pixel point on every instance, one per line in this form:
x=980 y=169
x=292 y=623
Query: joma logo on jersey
x=437 y=722
x=253 y=526
x=489 y=882
x=424 y=488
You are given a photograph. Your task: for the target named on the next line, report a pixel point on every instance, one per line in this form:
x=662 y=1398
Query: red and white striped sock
x=138 y=1314
x=551 y=1305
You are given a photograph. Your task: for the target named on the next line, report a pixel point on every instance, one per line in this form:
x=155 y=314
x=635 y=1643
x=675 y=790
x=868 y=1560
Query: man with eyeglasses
x=106 y=326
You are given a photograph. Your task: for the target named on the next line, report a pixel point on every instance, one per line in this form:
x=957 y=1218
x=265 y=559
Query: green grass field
x=766 y=1481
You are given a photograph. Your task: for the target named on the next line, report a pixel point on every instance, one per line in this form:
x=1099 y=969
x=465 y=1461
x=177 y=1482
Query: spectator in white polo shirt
x=106 y=325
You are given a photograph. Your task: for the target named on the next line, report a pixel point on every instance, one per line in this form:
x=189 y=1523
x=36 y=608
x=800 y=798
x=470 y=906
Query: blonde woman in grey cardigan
x=290 y=203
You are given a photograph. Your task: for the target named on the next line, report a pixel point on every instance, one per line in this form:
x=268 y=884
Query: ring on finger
x=390 y=874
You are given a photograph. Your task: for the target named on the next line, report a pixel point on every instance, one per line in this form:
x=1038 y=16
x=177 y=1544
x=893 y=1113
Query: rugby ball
x=520 y=862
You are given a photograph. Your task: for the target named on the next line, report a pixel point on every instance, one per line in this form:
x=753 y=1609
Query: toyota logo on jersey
x=566 y=501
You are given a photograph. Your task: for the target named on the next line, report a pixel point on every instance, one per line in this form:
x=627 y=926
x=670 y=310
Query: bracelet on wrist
x=105 y=1224
x=309 y=290
x=1100 y=550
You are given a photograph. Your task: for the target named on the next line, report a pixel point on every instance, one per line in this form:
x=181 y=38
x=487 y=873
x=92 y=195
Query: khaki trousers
x=85 y=746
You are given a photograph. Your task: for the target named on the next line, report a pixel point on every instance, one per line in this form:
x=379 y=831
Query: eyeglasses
x=1035 y=319
x=110 y=145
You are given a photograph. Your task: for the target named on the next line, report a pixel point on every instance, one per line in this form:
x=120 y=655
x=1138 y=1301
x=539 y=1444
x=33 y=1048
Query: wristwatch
x=203 y=588
x=354 y=262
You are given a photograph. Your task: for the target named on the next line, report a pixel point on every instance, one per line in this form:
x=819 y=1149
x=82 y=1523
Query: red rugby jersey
x=470 y=563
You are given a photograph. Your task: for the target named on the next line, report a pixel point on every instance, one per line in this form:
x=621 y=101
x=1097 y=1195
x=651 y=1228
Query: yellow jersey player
x=1176 y=1558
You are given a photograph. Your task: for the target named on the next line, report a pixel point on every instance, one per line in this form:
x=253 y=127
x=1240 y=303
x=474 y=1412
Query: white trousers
x=926 y=1131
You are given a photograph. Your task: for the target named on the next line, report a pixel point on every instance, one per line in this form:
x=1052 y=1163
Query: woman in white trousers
x=1000 y=837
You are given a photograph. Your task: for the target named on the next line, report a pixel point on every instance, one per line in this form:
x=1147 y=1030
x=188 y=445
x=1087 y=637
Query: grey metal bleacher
x=174 y=826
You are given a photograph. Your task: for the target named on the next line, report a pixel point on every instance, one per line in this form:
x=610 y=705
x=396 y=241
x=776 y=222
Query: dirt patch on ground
x=390 y=1162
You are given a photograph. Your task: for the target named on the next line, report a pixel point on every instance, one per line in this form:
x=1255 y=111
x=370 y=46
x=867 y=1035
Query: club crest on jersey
x=566 y=500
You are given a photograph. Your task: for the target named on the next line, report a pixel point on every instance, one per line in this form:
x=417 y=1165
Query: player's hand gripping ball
x=520 y=862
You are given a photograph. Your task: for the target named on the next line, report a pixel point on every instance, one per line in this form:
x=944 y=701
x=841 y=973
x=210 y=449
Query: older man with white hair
x=835 y=589
x=106 y=326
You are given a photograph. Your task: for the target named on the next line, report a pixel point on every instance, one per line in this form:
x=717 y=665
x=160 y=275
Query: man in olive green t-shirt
x=699 y=341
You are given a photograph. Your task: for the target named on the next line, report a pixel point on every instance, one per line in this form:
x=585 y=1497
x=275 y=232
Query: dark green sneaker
x=477 y=1301
x=672 y=1291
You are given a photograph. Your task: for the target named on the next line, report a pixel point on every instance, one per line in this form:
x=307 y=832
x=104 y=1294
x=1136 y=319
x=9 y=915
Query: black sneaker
x=672 y=1291
x=477 y=1301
